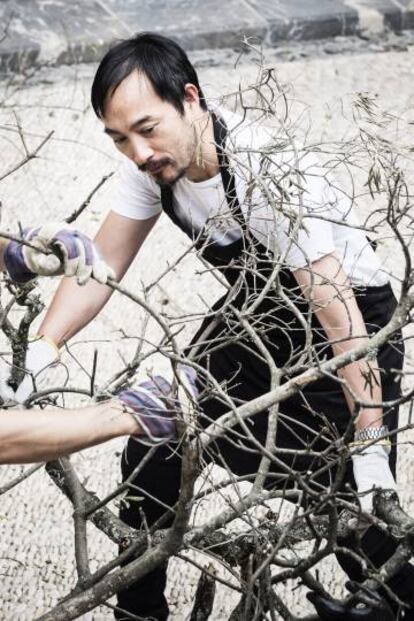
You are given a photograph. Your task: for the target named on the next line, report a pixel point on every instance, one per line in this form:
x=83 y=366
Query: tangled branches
x=272 y=453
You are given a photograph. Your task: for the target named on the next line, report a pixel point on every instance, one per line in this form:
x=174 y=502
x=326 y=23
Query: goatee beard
x=169 y=183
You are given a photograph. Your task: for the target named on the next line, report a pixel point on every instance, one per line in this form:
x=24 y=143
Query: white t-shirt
x=270 y=205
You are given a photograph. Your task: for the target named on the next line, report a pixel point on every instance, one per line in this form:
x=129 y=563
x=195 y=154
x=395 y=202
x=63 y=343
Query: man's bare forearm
x=327 y=288
x=39 y=435
x=345 y=327
x=72 y=308
x=364 y=380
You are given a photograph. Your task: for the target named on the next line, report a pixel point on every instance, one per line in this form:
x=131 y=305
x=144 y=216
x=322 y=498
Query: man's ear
x=191 y=96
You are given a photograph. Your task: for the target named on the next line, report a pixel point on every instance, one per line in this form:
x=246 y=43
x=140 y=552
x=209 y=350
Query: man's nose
x=140 y=151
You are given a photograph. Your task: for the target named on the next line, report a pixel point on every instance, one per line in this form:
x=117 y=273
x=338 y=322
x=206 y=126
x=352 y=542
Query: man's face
x=150 y=131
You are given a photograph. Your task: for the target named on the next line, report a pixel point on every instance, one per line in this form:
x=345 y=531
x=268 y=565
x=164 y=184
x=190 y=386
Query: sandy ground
x=36 y=548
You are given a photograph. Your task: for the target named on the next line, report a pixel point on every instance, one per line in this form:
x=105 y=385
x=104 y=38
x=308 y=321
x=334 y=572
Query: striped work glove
x=156 y=405
x=71 y=254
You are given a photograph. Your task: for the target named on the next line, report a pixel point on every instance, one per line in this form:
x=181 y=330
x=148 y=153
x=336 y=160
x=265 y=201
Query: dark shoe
x=333 y=610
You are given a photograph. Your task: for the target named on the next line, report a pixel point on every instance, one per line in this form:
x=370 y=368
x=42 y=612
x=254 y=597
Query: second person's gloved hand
x=71 y=253
x=156 y=405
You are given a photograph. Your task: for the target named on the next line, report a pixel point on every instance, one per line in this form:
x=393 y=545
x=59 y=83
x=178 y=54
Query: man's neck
x=205 y=164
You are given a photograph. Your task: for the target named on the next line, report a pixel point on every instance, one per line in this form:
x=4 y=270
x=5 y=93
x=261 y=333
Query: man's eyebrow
x=110 y=131
x=135 y=125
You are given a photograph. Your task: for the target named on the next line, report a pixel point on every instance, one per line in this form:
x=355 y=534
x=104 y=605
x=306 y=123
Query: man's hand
x=70 y=253
x=41 y=355
x=156 y=405
x=372 y=470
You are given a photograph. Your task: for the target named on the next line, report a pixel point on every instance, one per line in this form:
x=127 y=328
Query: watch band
x=371 y=433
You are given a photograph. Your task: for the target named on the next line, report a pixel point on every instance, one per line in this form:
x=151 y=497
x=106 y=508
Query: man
x=186 y=160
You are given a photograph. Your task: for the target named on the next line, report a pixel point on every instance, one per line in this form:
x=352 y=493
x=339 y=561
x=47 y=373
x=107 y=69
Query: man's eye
x=119 y=139
x=147 y=130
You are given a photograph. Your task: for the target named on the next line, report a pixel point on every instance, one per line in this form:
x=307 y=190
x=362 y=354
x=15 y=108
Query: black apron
x=228 y=352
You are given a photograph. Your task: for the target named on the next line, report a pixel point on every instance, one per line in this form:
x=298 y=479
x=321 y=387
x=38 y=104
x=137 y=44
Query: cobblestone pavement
x=39 y=31
x=36 y=551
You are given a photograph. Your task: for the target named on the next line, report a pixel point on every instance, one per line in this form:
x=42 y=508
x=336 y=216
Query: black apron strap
x=227 y=177
x=167 y=204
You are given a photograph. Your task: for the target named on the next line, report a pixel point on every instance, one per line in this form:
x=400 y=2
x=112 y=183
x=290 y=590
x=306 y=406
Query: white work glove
x=40 y=356
x=372 y=470
x=75 y=255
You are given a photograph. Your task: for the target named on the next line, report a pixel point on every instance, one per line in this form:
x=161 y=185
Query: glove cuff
x=15 y=263
x=378 y=447
x=41 y=353
x=46 y=339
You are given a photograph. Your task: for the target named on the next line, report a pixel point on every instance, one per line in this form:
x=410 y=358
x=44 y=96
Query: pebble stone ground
x=36 y=543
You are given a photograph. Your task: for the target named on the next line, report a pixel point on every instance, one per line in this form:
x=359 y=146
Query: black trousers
x=321 y=407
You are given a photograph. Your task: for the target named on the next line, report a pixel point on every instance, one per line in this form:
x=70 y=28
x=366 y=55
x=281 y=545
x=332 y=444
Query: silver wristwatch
x=371 y=433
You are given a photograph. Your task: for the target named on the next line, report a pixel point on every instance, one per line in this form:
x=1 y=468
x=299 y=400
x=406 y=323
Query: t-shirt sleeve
x=277 y=226
x=136 y=195
x=315 y=237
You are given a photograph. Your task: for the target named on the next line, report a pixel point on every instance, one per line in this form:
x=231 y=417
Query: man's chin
x=167 y=181
x=167 y=176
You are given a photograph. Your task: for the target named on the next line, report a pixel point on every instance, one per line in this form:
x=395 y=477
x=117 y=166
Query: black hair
x=163 y=61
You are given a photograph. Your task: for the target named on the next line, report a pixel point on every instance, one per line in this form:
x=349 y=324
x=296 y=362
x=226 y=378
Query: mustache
x=154 y=164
